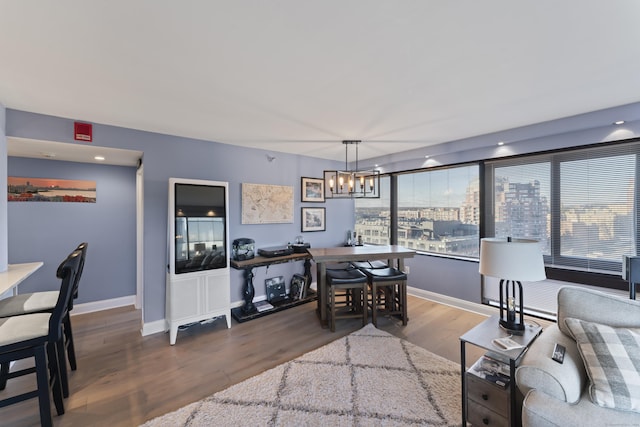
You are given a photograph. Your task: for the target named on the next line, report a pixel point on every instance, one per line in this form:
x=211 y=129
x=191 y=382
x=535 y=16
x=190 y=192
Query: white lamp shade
x=518 y=260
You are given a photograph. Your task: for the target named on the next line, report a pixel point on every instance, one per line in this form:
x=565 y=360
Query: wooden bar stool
x=394 y=298
x=353 y=301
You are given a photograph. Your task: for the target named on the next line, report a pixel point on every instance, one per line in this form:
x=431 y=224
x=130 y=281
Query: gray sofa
x=561 y=394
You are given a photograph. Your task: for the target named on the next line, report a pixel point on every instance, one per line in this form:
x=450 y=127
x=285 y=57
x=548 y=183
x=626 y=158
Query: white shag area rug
x=368 y=378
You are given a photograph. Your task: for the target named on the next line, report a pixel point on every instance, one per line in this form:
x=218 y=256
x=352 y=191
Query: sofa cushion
x=612 y=359
x=537 y=370
x=541 y=410
x=596 y=306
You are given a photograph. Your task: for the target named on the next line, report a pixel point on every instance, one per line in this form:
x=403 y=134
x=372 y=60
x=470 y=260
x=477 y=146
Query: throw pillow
x=612 y=359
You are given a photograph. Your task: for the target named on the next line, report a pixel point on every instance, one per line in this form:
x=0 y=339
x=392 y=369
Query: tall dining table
x=15 y=274
x=393 y=254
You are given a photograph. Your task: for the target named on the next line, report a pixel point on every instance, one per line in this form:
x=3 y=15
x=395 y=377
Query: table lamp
x=512 y=261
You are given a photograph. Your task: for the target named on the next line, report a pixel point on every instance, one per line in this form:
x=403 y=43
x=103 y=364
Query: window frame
x=558 y=266
x=565 y=273
x=393 y=203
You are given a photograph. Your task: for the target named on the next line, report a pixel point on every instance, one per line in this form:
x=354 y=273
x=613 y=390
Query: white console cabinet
x=198 y=276
x=198 y=297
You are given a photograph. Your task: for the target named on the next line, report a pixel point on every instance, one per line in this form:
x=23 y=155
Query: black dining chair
x=40 y=335
x=45 y=302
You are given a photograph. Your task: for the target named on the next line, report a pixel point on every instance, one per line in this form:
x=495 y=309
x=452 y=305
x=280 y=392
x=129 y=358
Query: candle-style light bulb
x=341 y=180
x=511 y=309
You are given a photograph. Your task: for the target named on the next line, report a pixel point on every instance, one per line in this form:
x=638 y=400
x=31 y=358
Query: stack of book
x=262 y=306
x=491 y=370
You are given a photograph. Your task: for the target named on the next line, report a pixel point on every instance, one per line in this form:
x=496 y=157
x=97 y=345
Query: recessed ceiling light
x=426 y=157
x=99 y=158
x=501 y=143
x=619 y=122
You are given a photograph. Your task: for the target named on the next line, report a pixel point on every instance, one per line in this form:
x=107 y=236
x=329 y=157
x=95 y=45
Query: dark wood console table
x=248 y=311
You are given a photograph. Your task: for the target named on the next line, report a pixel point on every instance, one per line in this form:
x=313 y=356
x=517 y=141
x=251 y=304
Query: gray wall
x=168 y=156
x=48 y=231
x=447 y=276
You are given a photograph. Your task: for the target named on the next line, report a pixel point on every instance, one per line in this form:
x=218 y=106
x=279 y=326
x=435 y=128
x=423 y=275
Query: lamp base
x=512 y=327
x=511 y=315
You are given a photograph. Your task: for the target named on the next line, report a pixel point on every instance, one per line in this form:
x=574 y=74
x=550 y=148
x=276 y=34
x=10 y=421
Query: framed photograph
x=31 y=189
x=313 y=219
x=312 y=189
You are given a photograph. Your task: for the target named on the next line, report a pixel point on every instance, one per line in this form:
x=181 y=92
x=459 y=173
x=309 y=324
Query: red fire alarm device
x=83 y=132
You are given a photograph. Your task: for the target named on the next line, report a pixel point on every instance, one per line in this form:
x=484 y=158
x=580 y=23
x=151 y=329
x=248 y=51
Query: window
x=579 y=204
x=439 y=210
x=521 y=196
x=373 y=216
x=596 y=211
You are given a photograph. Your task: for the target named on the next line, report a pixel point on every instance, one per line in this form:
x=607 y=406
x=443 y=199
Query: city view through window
x=593 y=215
x=522 y=197
x=373 y=216
x=439 y=210
x=597 y=208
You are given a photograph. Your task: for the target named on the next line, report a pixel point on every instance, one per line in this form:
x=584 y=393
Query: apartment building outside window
x=579 y=204
x=521 y=196
x=438 y=211
x=373 y=216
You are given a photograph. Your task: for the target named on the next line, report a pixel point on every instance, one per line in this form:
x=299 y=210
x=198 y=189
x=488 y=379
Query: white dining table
x=16 y=274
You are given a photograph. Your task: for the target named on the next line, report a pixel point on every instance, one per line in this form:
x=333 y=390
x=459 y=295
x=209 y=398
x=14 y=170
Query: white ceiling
x=299 y=76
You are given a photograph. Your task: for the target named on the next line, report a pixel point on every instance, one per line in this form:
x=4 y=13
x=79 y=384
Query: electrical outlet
x=407 y=269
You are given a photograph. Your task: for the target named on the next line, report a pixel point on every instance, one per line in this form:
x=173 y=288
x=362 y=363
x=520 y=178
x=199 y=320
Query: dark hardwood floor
x=124 y=379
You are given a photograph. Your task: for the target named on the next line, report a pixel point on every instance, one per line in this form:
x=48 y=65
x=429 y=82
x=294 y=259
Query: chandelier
x=352 y=183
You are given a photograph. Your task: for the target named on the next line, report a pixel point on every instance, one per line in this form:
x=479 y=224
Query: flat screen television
x=200 y=227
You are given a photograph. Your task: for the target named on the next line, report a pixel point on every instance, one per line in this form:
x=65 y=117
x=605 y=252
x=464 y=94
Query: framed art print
x=313 y=219
x=267 y=204
x=312 y=189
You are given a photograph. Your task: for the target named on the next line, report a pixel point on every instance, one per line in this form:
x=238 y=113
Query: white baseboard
x=90 y=307
x=154 y=327
x=473 y=307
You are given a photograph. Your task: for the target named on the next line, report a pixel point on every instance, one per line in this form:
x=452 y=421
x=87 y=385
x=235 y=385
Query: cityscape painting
x=50 y=190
